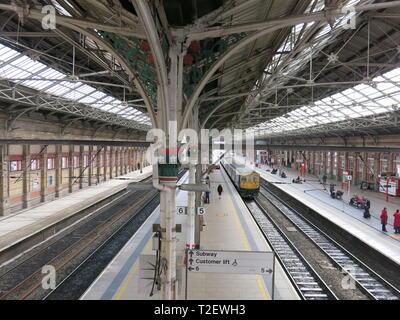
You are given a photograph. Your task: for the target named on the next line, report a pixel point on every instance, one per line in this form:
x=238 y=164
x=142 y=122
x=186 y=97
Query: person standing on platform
x=324 y=178
x=220 y=190
x=207 y=197
x=208 y=181
x=384 y=219
x=368 y=204
x=303 y=170
x=396 y=223
x=367 y=215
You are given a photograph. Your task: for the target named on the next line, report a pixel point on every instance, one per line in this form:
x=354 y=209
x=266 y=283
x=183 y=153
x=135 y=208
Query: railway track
x=23 y=280
x=106 y=230
x=371 y=283
x=305 y=279
x=83 y=275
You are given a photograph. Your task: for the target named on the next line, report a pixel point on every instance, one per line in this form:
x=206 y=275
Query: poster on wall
x=392 y=190
x=35 y=183
x=261 y=156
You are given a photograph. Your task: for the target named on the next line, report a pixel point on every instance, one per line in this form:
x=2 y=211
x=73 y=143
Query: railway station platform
x=20 y=231
x=312 y=194
x=228 y=225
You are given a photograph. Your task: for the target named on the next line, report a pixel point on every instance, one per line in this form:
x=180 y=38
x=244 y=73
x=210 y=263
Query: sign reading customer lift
x=242 y=262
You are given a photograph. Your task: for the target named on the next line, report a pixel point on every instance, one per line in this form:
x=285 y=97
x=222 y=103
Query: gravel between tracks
x=331 y=275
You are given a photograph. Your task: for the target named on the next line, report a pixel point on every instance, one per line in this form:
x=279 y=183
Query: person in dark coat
x=332 y=190
x=220 y=190
x=207 y=197
x=396 y=223
x=208 y=180
x=366 y=212
x=384 y=219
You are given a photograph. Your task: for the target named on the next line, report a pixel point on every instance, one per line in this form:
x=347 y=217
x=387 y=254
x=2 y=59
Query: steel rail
x=363 y=276
x=308 y=284
x=101 y=246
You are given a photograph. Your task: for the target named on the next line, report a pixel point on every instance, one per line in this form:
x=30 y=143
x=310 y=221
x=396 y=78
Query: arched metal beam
x=69 y=124
x=213 y=111
x=219 y=119
x=14 y=120
x=144 y=13
x=201 y=85
x=124 y=64
x=69 y=24
x=283 y=23
x=67 y=21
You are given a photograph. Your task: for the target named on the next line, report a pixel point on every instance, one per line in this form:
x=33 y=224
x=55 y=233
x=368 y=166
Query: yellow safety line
x=239 y=227
x=245 y=242
x=131 y=274
x=246 y=245
x=262 y=289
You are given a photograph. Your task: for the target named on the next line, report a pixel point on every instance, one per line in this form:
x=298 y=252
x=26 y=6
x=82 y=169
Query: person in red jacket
x=397 y=222
x=384 y=219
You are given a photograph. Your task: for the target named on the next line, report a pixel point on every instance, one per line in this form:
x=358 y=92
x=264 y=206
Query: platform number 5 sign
x=201 y=211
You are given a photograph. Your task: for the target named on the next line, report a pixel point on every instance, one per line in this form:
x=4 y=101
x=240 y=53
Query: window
x=243 y=179
x=85 y=160
x=50 y=163
x=35 y=164
x=256 y=180
x=93 y=158
x=16 y=165
x=76 y=162
x=64 y=162
x=249 y=179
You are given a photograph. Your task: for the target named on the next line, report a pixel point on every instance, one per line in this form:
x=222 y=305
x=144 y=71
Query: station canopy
x=380 y=97
x=371 y=91
x=23 y=70
x=318 y=77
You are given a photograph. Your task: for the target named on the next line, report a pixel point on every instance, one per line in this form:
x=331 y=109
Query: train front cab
x=249 y=185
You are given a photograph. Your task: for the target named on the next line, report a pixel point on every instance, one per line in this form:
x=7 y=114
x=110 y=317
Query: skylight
x=282 y=66
x=21 y=69
x=382 y=95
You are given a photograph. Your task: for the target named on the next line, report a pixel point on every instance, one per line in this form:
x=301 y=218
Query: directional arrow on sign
x=240 y=262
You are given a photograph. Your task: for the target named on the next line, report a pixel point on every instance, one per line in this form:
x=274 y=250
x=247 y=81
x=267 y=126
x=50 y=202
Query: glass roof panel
x=7 y=54
x=379 y=96
x=22 y=69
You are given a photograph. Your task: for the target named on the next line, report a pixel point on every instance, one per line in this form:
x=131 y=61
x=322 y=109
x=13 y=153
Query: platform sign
x=240 y=262
x=181 y=211
x=388 y=185
x=232 y=262
x=201 y=211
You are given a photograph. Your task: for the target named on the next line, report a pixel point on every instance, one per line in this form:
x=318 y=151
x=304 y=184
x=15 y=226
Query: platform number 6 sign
x=201 y=211
x=181 y=210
